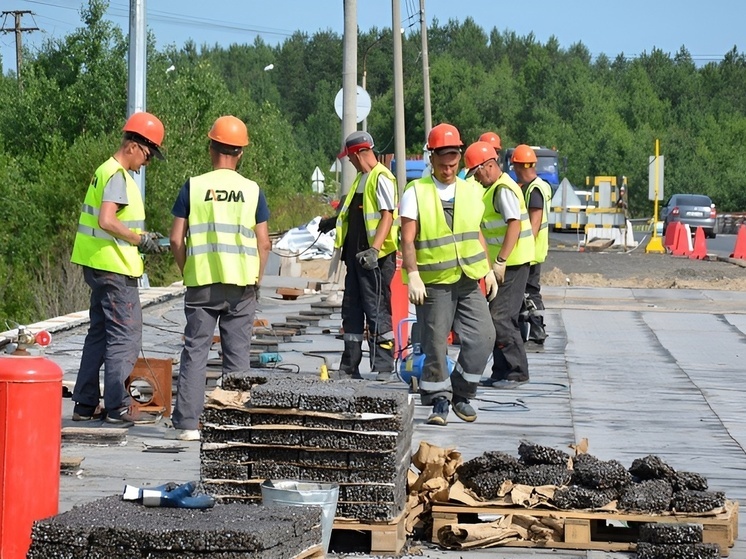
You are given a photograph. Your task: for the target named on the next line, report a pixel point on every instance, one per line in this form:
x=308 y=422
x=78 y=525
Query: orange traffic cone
x=670 y=237
x=739 y=251
x=700 y=245
x=681 y=246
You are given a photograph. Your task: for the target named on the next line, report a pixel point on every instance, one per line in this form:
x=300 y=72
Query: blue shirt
x=181 y=205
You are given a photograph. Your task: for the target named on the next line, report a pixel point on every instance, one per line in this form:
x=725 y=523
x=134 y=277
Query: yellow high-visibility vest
x=443 y=254
x=96 y=248
x=221 y=243
x=371 y=212
x=494 y=225
x=542 y=238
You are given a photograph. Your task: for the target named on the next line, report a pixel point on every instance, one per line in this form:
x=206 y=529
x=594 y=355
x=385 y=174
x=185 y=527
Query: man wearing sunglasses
x=110 y=232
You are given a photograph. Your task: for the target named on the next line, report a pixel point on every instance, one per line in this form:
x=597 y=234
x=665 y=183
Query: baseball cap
x=356 y=142
x=447 y=149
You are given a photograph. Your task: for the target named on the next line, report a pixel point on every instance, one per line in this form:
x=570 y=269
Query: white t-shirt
x=507 y=204
x=384 y=191
x=408 y=204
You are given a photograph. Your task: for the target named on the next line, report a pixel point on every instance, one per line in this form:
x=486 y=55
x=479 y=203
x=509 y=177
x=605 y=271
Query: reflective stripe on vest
x=443 y=254
x=542 y=238
x=96 y=248
x=221 y=243
x=371 y=211
x=494 y=226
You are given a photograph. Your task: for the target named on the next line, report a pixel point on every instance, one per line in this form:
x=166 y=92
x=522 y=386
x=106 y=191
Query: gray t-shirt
x=116 y=190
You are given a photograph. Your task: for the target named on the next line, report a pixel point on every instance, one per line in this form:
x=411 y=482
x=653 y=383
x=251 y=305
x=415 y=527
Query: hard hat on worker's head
x=444 y=138
x=147 y=129
x=477 y=154
x=230 y=131
x=355 y=142
x=523 y=154
x=492 y=139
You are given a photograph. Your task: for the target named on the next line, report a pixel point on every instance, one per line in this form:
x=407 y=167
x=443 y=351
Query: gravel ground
x=638 y=269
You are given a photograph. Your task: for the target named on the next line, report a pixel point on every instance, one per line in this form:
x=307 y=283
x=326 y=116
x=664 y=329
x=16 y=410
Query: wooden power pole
x=18 y=30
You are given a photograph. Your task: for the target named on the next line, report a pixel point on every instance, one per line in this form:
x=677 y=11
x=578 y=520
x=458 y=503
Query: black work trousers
x=533 y=291
x=509 y=355
x=367 y=300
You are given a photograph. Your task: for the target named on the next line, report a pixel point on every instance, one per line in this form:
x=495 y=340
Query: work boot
x=131 y=415
x=81 y=412
x=463 y=409
x=440 y=412
x=182 y=434
x=386 y=376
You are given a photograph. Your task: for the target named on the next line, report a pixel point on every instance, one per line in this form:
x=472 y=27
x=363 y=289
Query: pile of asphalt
x=115 y=529
x=302 y=428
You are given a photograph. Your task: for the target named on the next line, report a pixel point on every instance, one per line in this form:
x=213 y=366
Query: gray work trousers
x=509 y=355
x=460 y=306
x=232 y=308
x=113 y=341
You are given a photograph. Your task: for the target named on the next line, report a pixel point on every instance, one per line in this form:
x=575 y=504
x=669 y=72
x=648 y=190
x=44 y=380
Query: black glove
x=327 y=224
x=148 y=245
x=368 y=258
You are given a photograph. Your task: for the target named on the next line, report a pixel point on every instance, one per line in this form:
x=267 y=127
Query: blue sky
x=707 y=29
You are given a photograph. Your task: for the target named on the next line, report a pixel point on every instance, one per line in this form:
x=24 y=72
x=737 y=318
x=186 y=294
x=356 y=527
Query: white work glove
x=416 y=289
x=490 y=282
x=499 y=269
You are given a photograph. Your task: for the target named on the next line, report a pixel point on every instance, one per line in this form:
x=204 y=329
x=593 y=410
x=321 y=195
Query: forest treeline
x=603 y=114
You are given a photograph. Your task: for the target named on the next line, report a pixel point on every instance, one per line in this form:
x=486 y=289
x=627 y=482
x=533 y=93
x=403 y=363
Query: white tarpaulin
x=303 y=242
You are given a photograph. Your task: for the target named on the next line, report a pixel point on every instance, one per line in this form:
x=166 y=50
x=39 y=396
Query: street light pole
x=365 y=74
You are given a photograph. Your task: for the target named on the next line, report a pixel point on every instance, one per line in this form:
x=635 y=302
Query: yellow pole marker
x=655 y=244
x=323 y=372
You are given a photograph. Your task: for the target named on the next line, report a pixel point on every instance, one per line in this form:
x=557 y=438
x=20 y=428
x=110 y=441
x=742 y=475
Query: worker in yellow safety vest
x=220 y=241
x=510 y=242
x=537 y=195
x=110 y=232
x=444 y=257
x=367 y=234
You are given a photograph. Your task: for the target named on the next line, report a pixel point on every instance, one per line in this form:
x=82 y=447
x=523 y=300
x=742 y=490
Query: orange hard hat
x=476 y=154
x=146 y=125
x=492 y=139
x=230 y=131
x=444 y=136
x=523 y=154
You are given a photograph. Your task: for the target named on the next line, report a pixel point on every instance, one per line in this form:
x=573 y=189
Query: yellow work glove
x=490 y=282
x=416 y=289
x=499 y=269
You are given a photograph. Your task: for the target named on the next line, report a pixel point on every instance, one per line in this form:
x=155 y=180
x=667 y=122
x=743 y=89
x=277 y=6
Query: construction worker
x=220 y=241
x=367 y=236
x=494 y=140
x=445 y=256
x=510 y=242
x=110 y=232
x=537 y=195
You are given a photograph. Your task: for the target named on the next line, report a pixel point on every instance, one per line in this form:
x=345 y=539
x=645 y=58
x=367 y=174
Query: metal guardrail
x=727 y=223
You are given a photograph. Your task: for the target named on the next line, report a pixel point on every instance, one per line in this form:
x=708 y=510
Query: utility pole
x=400 y=140
x=17 y=29
x=425 y=72
x=349 y=86
x=136 y=63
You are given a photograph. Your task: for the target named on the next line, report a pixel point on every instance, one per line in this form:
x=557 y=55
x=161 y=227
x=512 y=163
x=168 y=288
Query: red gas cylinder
x=30 y=439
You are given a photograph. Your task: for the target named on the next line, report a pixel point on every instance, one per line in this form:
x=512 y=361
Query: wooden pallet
x=590 y=530
x=314 y=552
x=386 y=538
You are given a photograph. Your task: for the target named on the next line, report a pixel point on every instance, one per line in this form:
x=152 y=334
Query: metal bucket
x=302 y=493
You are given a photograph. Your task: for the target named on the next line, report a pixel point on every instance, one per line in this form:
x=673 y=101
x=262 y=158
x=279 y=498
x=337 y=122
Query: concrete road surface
x=635 y=371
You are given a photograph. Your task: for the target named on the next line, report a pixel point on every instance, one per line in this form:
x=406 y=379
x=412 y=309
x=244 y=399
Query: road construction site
x=636 y=371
